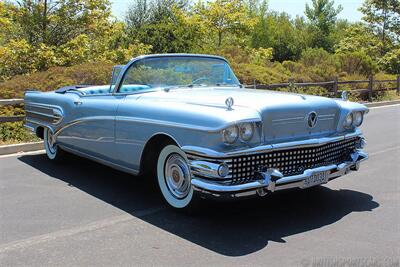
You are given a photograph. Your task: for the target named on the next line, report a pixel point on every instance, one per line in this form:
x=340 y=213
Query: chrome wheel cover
x=51 y=142
x=177 y=176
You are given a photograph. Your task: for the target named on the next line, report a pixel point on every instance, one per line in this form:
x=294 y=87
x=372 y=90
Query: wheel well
x=151 y=151
x=40 y=132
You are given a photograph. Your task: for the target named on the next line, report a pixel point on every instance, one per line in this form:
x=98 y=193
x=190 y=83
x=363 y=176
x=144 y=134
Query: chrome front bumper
x=262 y=187
x=203 y=172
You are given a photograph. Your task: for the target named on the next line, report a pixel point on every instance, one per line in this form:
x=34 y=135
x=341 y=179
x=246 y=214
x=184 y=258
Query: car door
x=93 y=129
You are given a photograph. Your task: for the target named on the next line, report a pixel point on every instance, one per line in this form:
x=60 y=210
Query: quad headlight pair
x=243 y=131
x=353 y=119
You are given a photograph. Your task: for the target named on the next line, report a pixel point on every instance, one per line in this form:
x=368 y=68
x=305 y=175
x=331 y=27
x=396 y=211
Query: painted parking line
x=386 y=106
x=23 y=154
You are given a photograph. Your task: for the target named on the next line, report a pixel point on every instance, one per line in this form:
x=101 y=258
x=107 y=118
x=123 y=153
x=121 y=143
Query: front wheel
x=173 y=176
x=53 y=152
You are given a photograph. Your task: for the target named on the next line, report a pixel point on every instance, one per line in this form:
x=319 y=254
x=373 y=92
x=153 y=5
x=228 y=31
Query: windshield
x=178 y=71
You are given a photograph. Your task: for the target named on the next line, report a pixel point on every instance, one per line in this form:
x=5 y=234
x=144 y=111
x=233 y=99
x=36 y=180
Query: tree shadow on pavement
x=228 y=228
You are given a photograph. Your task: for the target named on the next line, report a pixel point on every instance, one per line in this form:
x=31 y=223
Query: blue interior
x=99 y=90
x=126 y=88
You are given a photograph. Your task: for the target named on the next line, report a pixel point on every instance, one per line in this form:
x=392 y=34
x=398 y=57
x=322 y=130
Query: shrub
x=89 y=73
x=14 y=132
x=391 y=61
x=320 y=65
x=357 y=62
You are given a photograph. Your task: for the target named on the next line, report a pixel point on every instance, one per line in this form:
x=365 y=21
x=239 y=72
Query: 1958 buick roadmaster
x=186 y=121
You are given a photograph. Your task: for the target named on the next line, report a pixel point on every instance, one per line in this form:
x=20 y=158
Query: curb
x=383 y=103
x=24 y=147
x=28 y=147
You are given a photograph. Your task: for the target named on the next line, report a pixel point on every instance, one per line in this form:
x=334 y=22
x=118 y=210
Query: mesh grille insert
x=291 y=161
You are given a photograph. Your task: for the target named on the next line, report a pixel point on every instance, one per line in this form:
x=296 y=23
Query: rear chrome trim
x=46 y=113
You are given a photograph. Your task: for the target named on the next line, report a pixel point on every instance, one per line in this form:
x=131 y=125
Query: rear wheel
x=53 y=152
x=173 y=176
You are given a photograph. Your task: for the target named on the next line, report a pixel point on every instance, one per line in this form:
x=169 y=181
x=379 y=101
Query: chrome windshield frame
x=121 y=75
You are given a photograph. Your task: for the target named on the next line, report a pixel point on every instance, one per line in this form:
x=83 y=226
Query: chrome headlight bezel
x=231 y=132
x=348 y=121
x=246 y=131
x=358 y=118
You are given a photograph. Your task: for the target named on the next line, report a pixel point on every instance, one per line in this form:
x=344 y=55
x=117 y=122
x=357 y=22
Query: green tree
x=384 y=17
x=5 y=22
x=163 y=24
x=224 y=17
x=391 y=61
x=359 y=37
x=57 y=22
x=138 y=15
x=322 y=16
x=35 y=35
x=287 y=37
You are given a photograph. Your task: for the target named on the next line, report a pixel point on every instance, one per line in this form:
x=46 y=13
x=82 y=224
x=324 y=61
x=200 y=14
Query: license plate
x=316 y=179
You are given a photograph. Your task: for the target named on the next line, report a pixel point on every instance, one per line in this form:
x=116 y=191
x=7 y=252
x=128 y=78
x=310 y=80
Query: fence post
x=291 y=85
x=398 y=84
x=335 y=86
x=370 y=87
x=254 y=84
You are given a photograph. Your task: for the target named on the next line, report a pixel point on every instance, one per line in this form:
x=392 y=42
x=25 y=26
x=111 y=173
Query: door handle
x=77 y=102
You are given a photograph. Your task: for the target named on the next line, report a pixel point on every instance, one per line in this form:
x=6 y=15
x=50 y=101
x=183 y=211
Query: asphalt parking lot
x=80 y=213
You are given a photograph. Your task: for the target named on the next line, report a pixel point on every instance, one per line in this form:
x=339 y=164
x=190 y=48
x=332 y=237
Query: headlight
x=246 y=131
x=348 y=121
x=230 y=134
x=358 y=118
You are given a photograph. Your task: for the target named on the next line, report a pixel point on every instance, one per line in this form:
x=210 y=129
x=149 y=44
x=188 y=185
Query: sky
x=293 y=7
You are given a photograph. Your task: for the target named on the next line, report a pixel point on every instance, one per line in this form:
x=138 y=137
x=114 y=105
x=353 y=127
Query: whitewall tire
x=173 y=176
x=52 y=150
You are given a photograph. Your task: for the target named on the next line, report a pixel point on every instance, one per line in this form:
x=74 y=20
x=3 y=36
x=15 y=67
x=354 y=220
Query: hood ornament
x=229 y=103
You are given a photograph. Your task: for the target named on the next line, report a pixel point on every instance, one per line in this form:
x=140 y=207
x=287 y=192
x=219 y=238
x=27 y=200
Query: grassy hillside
x=53 y=78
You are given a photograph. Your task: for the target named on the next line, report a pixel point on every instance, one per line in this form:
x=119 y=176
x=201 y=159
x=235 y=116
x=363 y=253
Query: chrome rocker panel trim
x=261 y=187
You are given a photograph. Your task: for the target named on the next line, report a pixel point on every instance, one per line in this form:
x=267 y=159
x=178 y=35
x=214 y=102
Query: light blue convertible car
x=186 y=121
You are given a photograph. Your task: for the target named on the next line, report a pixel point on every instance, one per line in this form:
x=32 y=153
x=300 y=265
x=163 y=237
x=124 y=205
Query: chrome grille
x=291 y=161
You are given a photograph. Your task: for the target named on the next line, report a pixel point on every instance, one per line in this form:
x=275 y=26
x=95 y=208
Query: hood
x=284 y=115
x=243 y=98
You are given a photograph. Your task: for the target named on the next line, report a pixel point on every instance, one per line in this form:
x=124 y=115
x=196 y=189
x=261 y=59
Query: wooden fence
x=333 y=87
x=12 y=102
